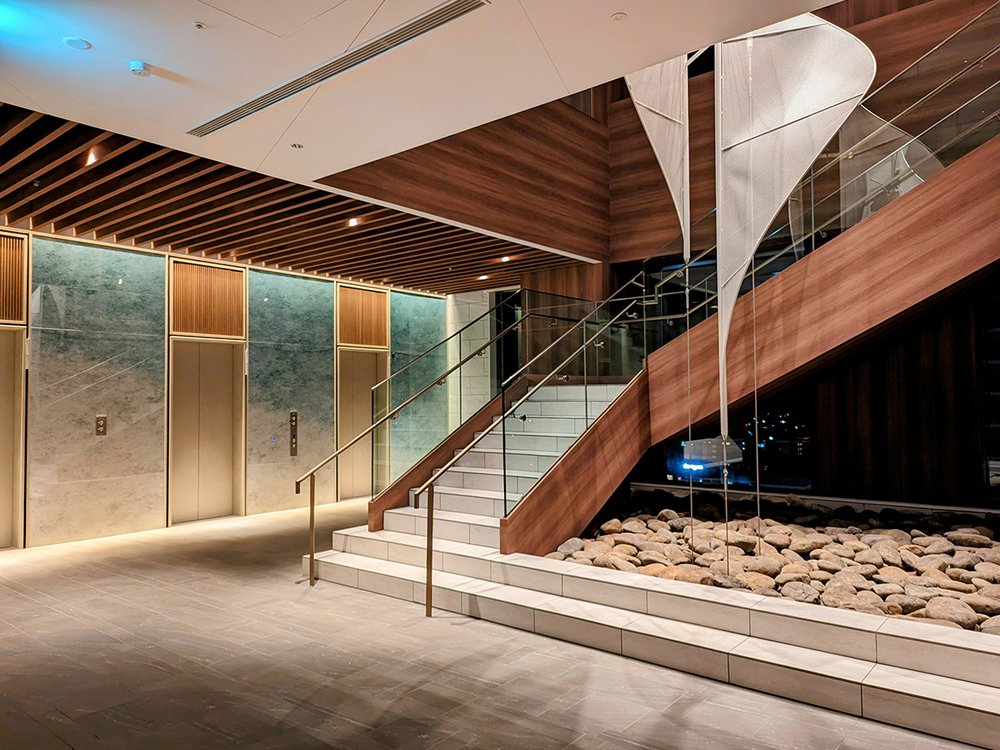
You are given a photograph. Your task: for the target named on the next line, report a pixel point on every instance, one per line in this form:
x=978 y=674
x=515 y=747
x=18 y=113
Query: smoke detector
x=139 y=68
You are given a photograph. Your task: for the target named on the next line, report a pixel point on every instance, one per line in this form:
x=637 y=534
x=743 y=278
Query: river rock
x=837 y=594
x=889 y=553
x=840 y=550
x=668 y=515
x=968 y=539
x=906 y=603
x=820 y=575
x=984 y=605
x=990 y=555
x=624 y=550
x=626 y=538
x=635 y=527
x=854 y=580
x=570 y=546
x=806 y=544
x=892 y=574
x=769 y=565
x=952 y=610
x=831 y=566
x=755 y=580
x=702 y=576
x=778 y=541
x=652 y=569
x=800 y=592
x=556 y=556
x=931 y=562
x=967 y=560
x=869 y=557
x=992 y=590
x=614 y=526
x=887 y=589
x=782 y=578
x=615 y=562
x=988 y=572
x=652 y=558
x=991 y=626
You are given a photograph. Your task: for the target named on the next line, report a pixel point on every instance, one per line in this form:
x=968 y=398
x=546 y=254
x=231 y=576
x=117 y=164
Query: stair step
x=948 y=707
x=477 y=502
x=518 y=481
x=459 y=527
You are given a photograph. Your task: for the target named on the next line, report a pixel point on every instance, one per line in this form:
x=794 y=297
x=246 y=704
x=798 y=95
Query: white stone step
x=476 y=502
x=565 y=425
x=517 y=482
x=948 y=652
x=548 y=441
x=544 y=408
x=458 y=527
x=947 y=707
x=521 y=460
x=574 y=392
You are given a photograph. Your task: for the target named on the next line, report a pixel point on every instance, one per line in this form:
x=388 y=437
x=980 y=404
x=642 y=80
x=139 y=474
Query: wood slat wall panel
x=13 y=266
x=540 y=176
x=931 y=239
x=568 y=497
x=207 y=300
x=362 y=317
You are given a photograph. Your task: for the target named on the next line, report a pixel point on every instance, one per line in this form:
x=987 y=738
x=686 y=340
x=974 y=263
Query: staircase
x=539 y=461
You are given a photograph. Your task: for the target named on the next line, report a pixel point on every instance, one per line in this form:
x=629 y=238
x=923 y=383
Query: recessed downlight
x=353 y=221
x=505 y=259
x=297 y=145
x=483 y=277
x=77 y=43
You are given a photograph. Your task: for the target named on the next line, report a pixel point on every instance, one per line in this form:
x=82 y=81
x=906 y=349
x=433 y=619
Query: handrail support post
x=429 y=584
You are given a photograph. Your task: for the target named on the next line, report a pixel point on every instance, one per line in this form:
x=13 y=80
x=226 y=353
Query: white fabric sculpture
x=660 y=95
x=781 y=94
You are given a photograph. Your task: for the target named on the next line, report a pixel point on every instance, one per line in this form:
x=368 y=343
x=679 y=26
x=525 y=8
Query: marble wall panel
x=97 y=348
x=291 y=367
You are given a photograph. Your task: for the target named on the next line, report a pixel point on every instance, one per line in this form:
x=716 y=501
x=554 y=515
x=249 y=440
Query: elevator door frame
x=19 y=334
x=240 y=472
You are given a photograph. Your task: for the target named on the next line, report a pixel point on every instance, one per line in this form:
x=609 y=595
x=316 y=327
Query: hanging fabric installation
x=660 y=95
x=781 y=94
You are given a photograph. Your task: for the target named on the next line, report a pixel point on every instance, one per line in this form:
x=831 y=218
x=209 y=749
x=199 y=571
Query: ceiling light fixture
x=297 y=145
x=618 y=17
x=77 y=43
x=505 y=259
x=200 y=25
x=92 y=157
x=353 y=221
x=483 y=277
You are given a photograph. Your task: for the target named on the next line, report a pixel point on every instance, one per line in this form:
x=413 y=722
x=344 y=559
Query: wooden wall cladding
x=643 y=216
x=207 y=301
x=13 y=280
x=852 y=12
x=571 y=493
x=931 y=239
x=362 y=317
x=581 y=280
x=540 y=176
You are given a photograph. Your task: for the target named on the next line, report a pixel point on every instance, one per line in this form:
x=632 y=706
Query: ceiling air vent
x=394 y=37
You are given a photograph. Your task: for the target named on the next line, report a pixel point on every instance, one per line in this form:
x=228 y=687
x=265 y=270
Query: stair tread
x=517 y=451
x=857 y=671
x=495 y=472
x=537 y=434
x=449 y=515
x=471 y=492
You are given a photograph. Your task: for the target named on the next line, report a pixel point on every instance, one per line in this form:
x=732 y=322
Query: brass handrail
x=428 y=486
x=311 y=474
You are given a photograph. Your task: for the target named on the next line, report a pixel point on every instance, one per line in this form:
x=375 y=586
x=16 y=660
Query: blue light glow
x=692 y=467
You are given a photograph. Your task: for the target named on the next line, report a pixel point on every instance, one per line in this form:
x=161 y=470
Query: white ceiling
x=504 y=58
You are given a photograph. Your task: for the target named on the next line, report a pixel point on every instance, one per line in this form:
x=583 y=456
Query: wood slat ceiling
x=139 y=193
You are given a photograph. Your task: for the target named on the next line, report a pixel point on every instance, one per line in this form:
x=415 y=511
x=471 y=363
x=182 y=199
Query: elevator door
x=357 y=372
x=11 y=342
x=206 y=430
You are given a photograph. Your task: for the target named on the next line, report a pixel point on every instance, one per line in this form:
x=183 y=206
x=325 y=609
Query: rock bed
x=942 y=568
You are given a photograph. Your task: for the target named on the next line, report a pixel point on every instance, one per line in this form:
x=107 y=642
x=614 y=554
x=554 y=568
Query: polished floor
x=205 y=636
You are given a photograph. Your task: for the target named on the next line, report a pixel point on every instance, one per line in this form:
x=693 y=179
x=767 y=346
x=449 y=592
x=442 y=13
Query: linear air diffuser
x=389 y=40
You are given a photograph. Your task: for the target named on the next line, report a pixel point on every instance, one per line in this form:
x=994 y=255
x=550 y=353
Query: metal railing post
x=312 y=529
x=429 y=584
